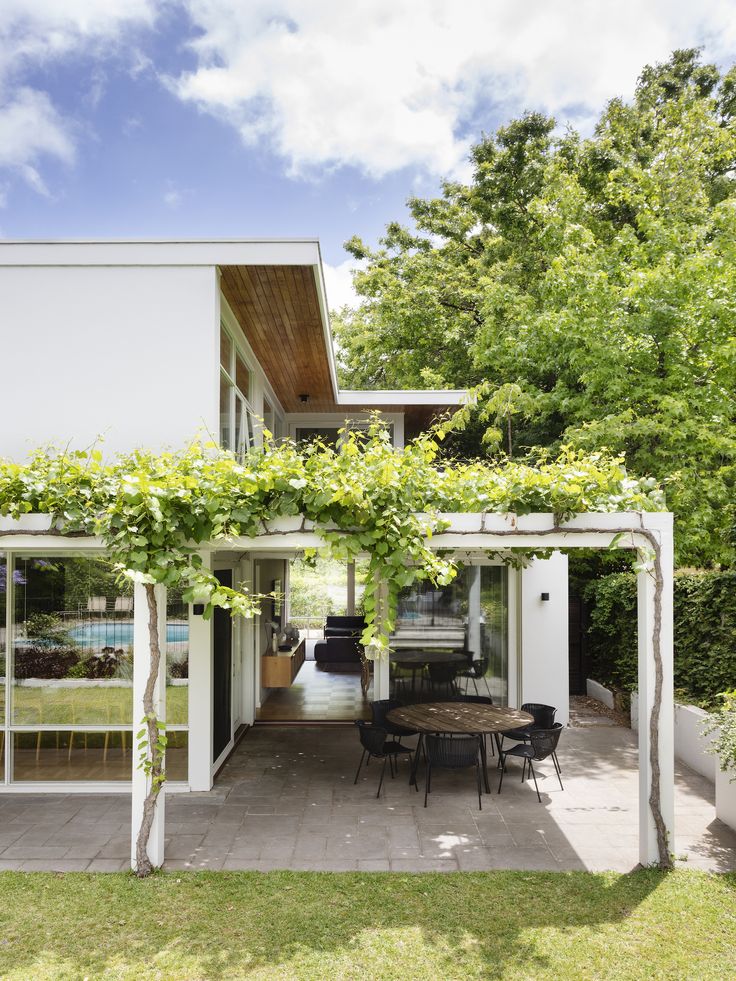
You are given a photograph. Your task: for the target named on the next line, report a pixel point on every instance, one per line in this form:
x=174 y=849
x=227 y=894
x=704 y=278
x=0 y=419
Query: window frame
x=242 y=417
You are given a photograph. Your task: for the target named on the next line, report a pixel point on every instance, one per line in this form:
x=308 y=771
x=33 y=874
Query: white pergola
x=649 y=533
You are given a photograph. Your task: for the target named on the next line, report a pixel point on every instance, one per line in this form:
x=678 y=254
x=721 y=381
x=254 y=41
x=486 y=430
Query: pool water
x=109 y=633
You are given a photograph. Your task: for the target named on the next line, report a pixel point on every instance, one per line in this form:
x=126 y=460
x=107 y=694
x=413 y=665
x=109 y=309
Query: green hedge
x=705 y=633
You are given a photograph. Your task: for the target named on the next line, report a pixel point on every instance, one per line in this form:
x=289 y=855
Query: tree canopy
x=591 y=283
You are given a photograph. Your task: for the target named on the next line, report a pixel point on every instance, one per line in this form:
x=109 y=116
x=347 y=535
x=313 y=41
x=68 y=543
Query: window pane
x=243 y=426
x=72 y=643
x=177 y=659
x=72 y=755
x=494 y=606
x=225 y=425
x=3 y=642
x=177 y=755
x=268 y=419
x=242 y=376
x=226 y=349
x=307 y=434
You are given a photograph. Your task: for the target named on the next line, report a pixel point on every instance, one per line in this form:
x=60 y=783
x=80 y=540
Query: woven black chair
x=542 y=743
x=477 y=700
x=544 y=718
x=477 y=672
x=453 y=753
x=380 y=709
x=442 y=676
x=375 y=744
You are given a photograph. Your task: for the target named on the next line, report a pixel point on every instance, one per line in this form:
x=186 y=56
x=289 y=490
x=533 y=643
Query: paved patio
x=286 y=800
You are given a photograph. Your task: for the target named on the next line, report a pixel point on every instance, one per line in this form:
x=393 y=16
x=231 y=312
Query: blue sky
x=216 y=118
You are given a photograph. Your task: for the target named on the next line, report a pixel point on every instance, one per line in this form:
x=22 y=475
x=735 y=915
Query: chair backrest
x=480 y=666
x=452 y=751
x=372 y=737
x=544 y=715
x=381 y=707
x=544 y=741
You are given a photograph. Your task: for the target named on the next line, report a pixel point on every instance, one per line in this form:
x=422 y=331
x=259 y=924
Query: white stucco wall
x=128 y=352
x=544 y=631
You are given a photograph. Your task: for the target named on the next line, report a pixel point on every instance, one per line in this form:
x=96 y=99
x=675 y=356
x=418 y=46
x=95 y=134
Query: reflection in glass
x=225 y=421
x=226 y=348
x=3 y=643
x=177 y=659
x=177 y=755
x=72 y=643
x=65 y=755
x=242 y=376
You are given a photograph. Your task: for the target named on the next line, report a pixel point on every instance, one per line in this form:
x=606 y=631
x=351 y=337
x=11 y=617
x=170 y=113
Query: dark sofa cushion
x=344 y=626
x=337 y=650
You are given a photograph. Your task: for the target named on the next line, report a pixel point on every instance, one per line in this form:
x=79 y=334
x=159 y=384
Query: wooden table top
x=458 y=717
x=417 y=658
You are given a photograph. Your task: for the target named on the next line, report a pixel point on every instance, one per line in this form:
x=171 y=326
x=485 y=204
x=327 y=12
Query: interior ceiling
x=278 y=310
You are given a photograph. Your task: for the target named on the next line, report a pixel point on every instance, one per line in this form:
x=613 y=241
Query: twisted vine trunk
x=156 y=757
x=655 y=803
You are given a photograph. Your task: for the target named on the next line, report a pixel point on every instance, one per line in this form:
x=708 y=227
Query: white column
x=381 y=677
x=545 y=673
x=200 y=697
x=141 y=667
x=648 y=847
x=351 y=590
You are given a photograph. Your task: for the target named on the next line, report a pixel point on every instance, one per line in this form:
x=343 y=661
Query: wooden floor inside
x=318 y=695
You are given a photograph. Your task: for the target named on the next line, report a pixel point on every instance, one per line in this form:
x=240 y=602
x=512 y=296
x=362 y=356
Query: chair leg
x=502 y=764
x=559 y=772
x=487 y=686
x=427 y=782
x=380 y=782
x=391 y=764
x=557 y=762
x=535 y=781
x=357 y=772
x=475 y=685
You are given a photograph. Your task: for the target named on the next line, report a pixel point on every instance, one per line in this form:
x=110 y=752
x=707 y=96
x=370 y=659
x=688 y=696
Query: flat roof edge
x=409 y=396
x=160 y=252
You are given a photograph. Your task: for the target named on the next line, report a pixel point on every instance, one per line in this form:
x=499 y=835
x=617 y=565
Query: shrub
x=705 y=633
x=44 y=662
x=723 y=722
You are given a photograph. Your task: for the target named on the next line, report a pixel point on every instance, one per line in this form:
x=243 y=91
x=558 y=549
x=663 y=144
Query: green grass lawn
x=89 y=705
x=372 y=926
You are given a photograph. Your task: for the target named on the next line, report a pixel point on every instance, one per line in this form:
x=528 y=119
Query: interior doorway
x=222 y=655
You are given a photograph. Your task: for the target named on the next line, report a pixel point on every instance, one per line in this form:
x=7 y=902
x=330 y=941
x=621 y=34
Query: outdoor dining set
x=458 y=731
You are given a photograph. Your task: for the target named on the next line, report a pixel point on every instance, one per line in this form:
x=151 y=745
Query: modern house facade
x=153 y=344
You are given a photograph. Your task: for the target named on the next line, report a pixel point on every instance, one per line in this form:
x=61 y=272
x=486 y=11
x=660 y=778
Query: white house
x=151 y=344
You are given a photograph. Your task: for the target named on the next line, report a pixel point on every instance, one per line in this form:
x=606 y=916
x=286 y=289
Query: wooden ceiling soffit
x=278 y=310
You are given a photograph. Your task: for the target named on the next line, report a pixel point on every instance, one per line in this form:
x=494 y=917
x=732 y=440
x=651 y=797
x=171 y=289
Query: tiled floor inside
x=318 y=694
x=286 y=799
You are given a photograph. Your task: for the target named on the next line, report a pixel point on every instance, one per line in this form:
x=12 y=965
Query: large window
x=237 y=420
x=470 y=613
x=70 y=671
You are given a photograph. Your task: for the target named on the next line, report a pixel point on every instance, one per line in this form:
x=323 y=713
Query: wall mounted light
x=545 y=597
x=198 y=609
x=304 y=398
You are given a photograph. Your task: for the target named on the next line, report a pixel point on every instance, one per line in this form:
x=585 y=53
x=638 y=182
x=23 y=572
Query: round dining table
x=458 y=718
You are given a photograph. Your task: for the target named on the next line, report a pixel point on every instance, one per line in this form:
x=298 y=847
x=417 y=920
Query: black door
x=222 y=673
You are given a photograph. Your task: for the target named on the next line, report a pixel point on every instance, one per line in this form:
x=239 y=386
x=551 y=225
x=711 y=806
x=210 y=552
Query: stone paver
x=286 y=799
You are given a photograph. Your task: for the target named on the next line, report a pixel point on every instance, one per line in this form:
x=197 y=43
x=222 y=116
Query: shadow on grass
x=376 y=925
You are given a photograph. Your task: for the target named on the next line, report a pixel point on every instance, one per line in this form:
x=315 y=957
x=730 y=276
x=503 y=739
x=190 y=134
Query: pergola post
x=656 y=736
x=381 y=672
x=141 y=668
x=200 y=695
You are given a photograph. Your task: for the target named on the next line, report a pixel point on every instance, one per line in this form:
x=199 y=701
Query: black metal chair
x=443 y=676
x=478 y=700
x=453 y=753
x=375 y=744
x=542 y=743
x=380 y=709
x=477 y=672
x=544 y=718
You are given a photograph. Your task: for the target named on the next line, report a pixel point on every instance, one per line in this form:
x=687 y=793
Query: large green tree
x=592 y=281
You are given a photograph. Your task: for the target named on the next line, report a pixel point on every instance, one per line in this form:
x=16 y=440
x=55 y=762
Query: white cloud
x=339 y=284
x=30 y=128
x=32 y=34
x=172 y=196
x=383 y=84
